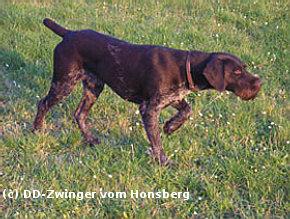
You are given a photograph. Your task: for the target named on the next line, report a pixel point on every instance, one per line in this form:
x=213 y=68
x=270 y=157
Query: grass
x=231 y=156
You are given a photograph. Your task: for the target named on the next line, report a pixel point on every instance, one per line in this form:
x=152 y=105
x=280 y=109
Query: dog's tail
x=56 y=28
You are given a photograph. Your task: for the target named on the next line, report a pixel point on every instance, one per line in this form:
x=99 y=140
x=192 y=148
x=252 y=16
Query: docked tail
x=56 y=28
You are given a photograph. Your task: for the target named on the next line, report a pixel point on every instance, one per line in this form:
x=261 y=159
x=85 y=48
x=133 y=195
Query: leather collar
x=188 y=74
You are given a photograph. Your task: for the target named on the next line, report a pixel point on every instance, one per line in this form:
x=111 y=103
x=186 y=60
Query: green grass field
x=231 y=156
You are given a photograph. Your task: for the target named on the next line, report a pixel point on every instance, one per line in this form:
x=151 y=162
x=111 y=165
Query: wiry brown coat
x=152 y=76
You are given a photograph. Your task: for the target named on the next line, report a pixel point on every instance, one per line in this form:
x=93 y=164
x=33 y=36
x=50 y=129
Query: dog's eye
x=238 y=71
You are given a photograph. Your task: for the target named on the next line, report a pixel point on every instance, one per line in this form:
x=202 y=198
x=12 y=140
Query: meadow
x=231 y=156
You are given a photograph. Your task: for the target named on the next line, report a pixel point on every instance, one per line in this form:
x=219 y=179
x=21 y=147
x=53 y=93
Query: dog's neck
x=198 y=62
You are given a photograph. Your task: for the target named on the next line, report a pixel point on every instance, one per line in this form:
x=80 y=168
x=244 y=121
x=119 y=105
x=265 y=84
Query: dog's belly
x=126 y=86
x=127 y=93
x=128 y=83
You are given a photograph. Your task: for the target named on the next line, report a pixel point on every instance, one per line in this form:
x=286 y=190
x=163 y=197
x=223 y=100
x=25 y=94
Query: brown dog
x=152 y=76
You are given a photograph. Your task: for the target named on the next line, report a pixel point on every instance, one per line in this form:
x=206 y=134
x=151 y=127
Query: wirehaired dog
x=152 y=76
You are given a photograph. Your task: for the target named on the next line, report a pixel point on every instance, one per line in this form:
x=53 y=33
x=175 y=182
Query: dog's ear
x=214 y=73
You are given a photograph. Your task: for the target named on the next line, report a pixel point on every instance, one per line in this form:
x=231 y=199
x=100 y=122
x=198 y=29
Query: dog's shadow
x=20 y=78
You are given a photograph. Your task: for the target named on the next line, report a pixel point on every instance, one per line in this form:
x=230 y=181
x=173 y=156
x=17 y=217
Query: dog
x=149 y=75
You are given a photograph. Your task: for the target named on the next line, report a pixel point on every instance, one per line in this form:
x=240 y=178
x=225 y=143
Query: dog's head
x=227 y=72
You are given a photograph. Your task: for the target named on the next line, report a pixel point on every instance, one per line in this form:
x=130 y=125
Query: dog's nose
x=258 y=83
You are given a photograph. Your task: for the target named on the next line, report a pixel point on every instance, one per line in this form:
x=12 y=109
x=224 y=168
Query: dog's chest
x=125 y=78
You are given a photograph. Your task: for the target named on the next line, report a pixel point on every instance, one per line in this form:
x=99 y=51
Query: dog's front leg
x=150 y=111
x=184 y=111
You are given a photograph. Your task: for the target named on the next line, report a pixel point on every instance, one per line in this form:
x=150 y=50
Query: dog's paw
x=92 y=141
x=36 y=127
x=165 y=161
x=162 y=159
x=168 y=129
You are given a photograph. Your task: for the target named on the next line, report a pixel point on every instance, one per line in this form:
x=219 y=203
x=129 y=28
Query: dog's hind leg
x=92 y=88
x=184 y=111
x=65 y=76
x=57 y=92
